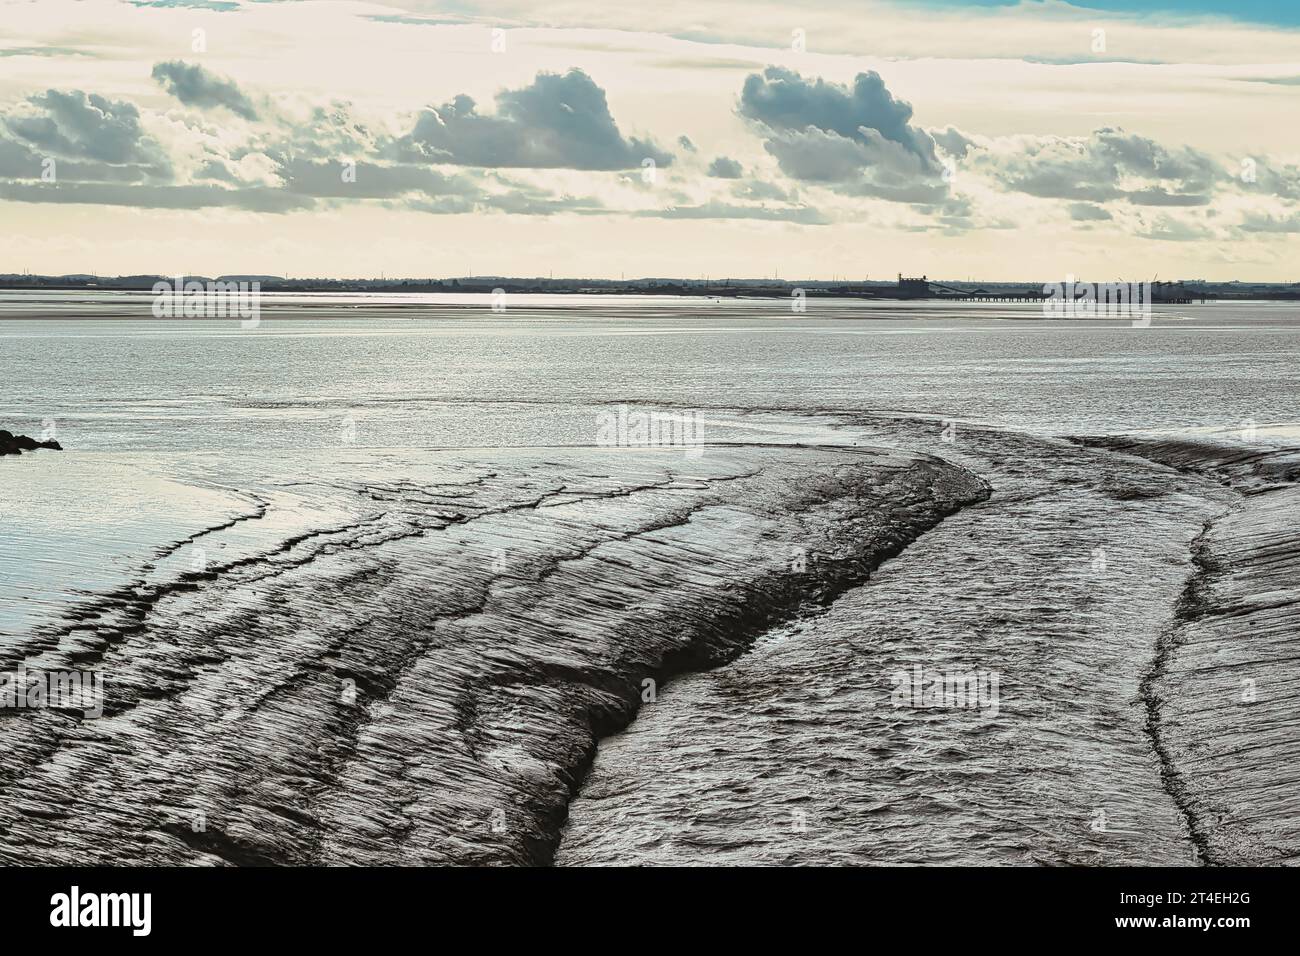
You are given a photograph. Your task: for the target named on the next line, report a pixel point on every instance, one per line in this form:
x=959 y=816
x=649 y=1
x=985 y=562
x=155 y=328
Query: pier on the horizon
x=1161 y=293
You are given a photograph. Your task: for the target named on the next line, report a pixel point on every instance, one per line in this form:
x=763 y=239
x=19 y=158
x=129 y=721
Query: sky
x=841 y=139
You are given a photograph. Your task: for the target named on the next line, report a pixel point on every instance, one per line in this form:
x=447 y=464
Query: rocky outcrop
x=11 y=444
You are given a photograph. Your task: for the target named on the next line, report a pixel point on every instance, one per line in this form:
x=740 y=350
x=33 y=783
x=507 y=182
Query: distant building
x=1174 y=292
x=913 y=288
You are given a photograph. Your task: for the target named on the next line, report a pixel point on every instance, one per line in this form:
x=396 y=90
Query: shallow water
x=464 y=375
x=802 y=752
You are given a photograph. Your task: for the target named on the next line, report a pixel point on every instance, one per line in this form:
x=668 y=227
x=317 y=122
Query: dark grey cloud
x=216 y=169
x=220 y=6
x=781 y=99
x=725 y=168
x=1139 y=155
x=560 y=121
x=1260 y=222
x=859 y=140
x=759 y=190
x=331 y=131
x=803 y=215
x=527 y=202
x=953 y=142
x=856 y=138
x=258 y=199
x=1159 y=196
x=1076 y=60
x=1088 y=212
x=1110 y=164
x=914 y=193
x=1271 y=80
x=19 y=161
x=75 y=124
x=78 y=137
x=366 y=180
x=104 y=157
x=440 y=205
x=44 y=51
x=59 y=140
x=1270 y=177
x=1168 y=229
x=195 y=86
x=415 y=21
x=815 y=155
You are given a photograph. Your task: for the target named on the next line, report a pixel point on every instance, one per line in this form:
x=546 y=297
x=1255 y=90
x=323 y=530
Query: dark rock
x=11 y=444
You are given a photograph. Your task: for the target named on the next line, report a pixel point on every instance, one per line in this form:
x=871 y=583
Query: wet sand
x=1125 y=636
x=799 y=752
x=422 y=676
x=1224 y=691
x=325 y=640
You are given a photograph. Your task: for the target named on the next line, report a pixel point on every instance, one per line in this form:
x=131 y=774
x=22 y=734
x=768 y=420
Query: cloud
x=1272 y=80
x=1158 y=196
x=1273 y=178
x=758 y=190
x=156 y=196
x=1260 y=222
x=782 y=100
x=415 y=21
x=330 y=131
x=104 y=156
x=561 y=121
x=803 y=215
x=953 y=142
x=195 y=86
x=724 y=168
x=365 y=180
x=1169 y=229
x=1087 y=212
x=528 y=202
x=220 y=6
x=18 y=162
x=1108 y=164
x=78 y=126
x=858 y=138
x=834 y=143
x=46 y=51
x=818 y=156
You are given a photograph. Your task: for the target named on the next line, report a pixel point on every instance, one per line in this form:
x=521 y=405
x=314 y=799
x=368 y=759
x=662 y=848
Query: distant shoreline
x=730 y=289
